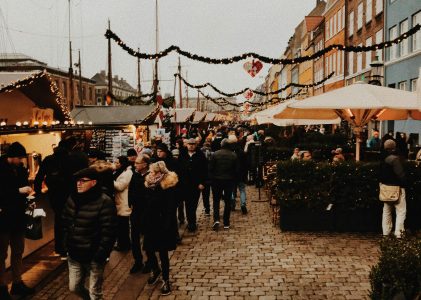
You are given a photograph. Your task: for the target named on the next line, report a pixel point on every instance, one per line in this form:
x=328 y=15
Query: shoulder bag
x=389 y=193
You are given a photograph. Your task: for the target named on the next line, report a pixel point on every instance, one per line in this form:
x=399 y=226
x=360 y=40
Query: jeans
x=17 y=245
x=77 y=275
x=165 y=263
x=192 y=200
x=400 y=208
x=222 y=189
x=136 y=238
x=242 y=188
x=123 y=239
x=205 y=196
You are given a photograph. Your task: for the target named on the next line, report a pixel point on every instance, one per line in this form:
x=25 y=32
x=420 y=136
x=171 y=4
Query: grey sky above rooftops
x=213 y=28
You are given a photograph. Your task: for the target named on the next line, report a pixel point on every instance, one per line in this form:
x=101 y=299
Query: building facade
x=365 y=28
x=402 y=61
x=16 y=62
x=121 y=89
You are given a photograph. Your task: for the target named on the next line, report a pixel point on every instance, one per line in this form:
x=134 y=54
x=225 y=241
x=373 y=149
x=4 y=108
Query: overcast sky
x=213 y=28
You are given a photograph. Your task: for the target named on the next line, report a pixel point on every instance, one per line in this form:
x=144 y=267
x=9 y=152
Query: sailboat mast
x=138 y=74
x=71 y=94
x=155 y=87
x=110 y=74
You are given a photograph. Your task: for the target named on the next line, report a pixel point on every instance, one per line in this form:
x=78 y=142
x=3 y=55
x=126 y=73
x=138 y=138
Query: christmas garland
x=275 y=61
x=292 y=84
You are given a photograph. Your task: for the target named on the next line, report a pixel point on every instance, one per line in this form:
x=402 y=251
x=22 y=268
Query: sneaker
x=21 y=289
x=226 y=227
x=4 y=293
x=137 y=267
x=244 y=210
x=146 y=268
x=215 y=226
x=154 y=277
x=166 y=288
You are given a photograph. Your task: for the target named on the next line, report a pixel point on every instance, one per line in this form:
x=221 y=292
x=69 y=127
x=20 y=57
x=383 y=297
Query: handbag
x=33 y=229
x=389 y=193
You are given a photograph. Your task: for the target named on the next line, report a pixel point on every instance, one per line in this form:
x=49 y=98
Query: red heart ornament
x=248 y=94
x=253 y=67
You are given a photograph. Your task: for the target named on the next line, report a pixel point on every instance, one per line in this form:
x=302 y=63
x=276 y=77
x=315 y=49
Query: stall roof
x=199 y=116
x=115 y=115
x=209 y=117
x=182 y=114
x=37 y=87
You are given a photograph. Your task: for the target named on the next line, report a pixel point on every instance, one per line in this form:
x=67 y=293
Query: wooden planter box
x=359 y=220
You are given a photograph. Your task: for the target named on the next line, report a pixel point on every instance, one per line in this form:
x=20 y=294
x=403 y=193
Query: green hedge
x=348 y=186
x=398 y=272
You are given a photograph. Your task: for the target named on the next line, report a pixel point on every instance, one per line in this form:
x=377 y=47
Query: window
x=402 y=85
x=331 y=27
x=379 y=39
x=327 y=30
x=416 y=38
x=360 y=16
x=368 y=53
x=393 y=32
x=351 y=23
x=350 y=63
x=338 y=64
x=368 y=11
x=403 y=45
x=335 y=24
x=343 y=17
x=334 y=63
x=64 y=89
x=414 y=84
x=339 y=20
x=379 y=6
x=359 y=60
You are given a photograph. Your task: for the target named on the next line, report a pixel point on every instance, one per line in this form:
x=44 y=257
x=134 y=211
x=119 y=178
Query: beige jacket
x=121 y=186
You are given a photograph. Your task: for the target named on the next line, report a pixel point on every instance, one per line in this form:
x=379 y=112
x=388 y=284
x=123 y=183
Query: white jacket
x=121 y=186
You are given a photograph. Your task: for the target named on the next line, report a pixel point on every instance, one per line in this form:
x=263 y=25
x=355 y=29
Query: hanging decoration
x=53 y=88
x=274 y=61
x=253 y=67
x=292 y=84
x=248 y=94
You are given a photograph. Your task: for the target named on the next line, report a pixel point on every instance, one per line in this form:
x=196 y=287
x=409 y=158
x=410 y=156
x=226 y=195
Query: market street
x=251 y=260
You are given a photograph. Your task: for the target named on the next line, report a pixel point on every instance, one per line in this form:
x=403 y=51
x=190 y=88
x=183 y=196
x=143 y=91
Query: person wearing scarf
x=160 y=221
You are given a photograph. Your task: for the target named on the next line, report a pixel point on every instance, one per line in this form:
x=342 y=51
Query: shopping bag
x=33 y=226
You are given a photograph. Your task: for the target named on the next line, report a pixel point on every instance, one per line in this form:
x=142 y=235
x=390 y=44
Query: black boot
x=137 y=267
x=20 y=288
x=166 y=288
x=154 y=276
x=4 y=293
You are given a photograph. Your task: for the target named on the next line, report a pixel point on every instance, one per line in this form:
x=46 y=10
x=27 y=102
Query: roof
x=209 y=117
x=199 y=116
x=312 y=22
x=182 y=114
x=102 y=79
x=37 y=87
x=115 y=115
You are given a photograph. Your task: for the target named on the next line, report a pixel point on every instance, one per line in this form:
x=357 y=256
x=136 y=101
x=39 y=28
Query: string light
x=274 y=61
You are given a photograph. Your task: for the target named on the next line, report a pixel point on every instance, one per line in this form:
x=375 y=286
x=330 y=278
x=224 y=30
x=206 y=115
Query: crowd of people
x=136 y=202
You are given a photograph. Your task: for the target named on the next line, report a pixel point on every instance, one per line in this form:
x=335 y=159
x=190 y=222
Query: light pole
x=376 y=78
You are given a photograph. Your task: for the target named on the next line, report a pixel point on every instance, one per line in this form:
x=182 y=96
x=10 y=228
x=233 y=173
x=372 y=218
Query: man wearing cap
x=89 y=223
x=223 y=170
x=14 y=188
x=193 y=171
x=392 y=173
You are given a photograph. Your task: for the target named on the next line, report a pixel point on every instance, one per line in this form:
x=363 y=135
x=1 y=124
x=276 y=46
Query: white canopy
x=267 y=116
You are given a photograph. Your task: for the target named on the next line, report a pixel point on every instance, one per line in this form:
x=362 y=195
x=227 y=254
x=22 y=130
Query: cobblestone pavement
x=251 y=260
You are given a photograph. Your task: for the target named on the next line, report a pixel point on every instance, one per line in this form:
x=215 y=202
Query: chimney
x=102 y=72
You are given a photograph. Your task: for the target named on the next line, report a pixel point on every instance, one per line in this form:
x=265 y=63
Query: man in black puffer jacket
x=90 y=222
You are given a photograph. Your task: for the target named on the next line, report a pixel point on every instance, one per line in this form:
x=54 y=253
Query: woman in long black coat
x=160 y=221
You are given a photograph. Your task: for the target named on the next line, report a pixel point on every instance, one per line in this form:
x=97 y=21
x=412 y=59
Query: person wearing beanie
x=392 y=173
x=89 y=225
x=132 y=155
x=14 y=187
x=223 y=170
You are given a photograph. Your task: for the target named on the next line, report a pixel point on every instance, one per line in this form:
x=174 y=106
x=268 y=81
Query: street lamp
x=376 y=76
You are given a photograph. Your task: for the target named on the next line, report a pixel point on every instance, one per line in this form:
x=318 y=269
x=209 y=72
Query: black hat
x=163 y=147
x=16 y=150
x=90 y=173
x=131 y=152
